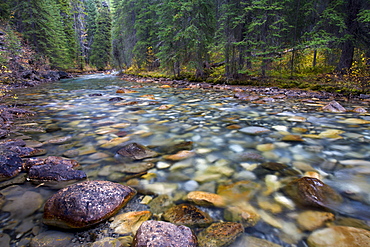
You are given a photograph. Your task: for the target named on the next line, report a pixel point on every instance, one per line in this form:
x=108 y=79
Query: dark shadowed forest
x=310 y=44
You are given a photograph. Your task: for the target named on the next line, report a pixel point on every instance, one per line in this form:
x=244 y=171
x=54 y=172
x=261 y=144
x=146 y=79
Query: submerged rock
x=220 y=234
x=11 y=164
x=188 y=215
x=136 y=151
x=339 y=236
x=312 y=192
x=85 y=204
x=159 y=233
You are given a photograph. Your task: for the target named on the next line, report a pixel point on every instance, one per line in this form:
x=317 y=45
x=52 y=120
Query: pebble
x=159 y=233
x=129 y=223
x=339 y=236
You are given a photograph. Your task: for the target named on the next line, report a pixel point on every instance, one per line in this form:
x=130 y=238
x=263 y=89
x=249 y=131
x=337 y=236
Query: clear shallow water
x=93 y=126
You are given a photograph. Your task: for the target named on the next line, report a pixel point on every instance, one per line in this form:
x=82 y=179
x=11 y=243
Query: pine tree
x=101 y=46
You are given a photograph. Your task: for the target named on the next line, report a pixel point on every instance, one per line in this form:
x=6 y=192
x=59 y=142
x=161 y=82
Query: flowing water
x=90 y=127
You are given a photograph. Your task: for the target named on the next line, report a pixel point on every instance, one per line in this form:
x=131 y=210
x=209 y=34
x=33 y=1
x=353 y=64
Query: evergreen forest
x=227 y=41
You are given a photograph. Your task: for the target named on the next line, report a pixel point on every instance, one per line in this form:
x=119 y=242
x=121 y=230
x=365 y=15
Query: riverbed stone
x=254 y=242
x=334 y=106
x=339 y=236
x=11 y=164
x=188 y=215
x=311 y=220
x=254 y=130
x=313 y=193
x=85 y=204
x=243 y=213
x=206 y=199
x=220 y=234
x=129 y=223
x=52 y=238
x=160 y=233
x=17 y=198
x=136 y=151
x=160 y=204
x=181 y=155
x=239 y=191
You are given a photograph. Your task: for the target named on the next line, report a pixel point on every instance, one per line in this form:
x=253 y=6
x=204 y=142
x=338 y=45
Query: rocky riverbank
x=99 y=217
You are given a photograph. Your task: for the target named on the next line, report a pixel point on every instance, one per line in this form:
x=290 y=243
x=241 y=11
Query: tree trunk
x=346 y=58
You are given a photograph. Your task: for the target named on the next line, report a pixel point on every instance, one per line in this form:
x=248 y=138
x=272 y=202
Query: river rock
x=254 y=242
x=188 y=215
x=181 y=155
x=17 y=198
x=130 y=222
x=312 y=192
x=339 y=236
x=275 y=168
x=11 y=164
x=239 y=191
x=52 y=238
x=85 y=204
x=161 y=204
x=312 y=220
x=206 y=199
x=52 y=175
x=136 y=151
x=243 y=213
x=220 y=234
x=334 y=106
x=27 y=151
x=254 y=130
x=159 y=233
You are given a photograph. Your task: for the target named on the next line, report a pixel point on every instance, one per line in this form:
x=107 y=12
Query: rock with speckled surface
x=85 y=204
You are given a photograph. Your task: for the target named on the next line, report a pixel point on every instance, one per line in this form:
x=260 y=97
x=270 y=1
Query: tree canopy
x=203 y=37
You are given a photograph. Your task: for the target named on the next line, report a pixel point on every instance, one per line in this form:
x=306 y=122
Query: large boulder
x=159 y=233
x=85 y=204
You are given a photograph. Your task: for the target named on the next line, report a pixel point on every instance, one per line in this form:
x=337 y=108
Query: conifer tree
x=101 y=46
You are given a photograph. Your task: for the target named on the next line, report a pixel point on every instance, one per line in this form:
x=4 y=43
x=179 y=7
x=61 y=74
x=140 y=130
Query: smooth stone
x=181 y=155
x=254 y=130
x=334 y=106
x=312 y=192
x=4 y=240
x=85 y=204
x=339 y=236
x=159 y=233
x=220 y=234
x=161 y=188
x=107 y=242
x=188 y=215
x=17 y=200
x=254 y=242
x=52 y=238
x=206 y=199
x=243 y=213
x=136 y=151
x=133 y=167
x=238 y=191
x=312 y=220
x=160 y=204
x=191 y=185
x=265 y=147
x=130 y=222
x=292 y=138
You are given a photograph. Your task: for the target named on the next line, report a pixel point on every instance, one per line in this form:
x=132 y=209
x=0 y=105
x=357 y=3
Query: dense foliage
x=231 y=39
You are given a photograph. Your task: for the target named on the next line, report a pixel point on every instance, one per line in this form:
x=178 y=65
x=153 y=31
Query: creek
x=87 y=122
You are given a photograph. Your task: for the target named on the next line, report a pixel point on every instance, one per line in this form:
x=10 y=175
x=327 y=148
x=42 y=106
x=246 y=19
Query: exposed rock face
x=136 y=151
x=188 y=215
x=85 y=204
x=339 y=236
x=158 y=233
x=220 y=234
x=11 y=164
